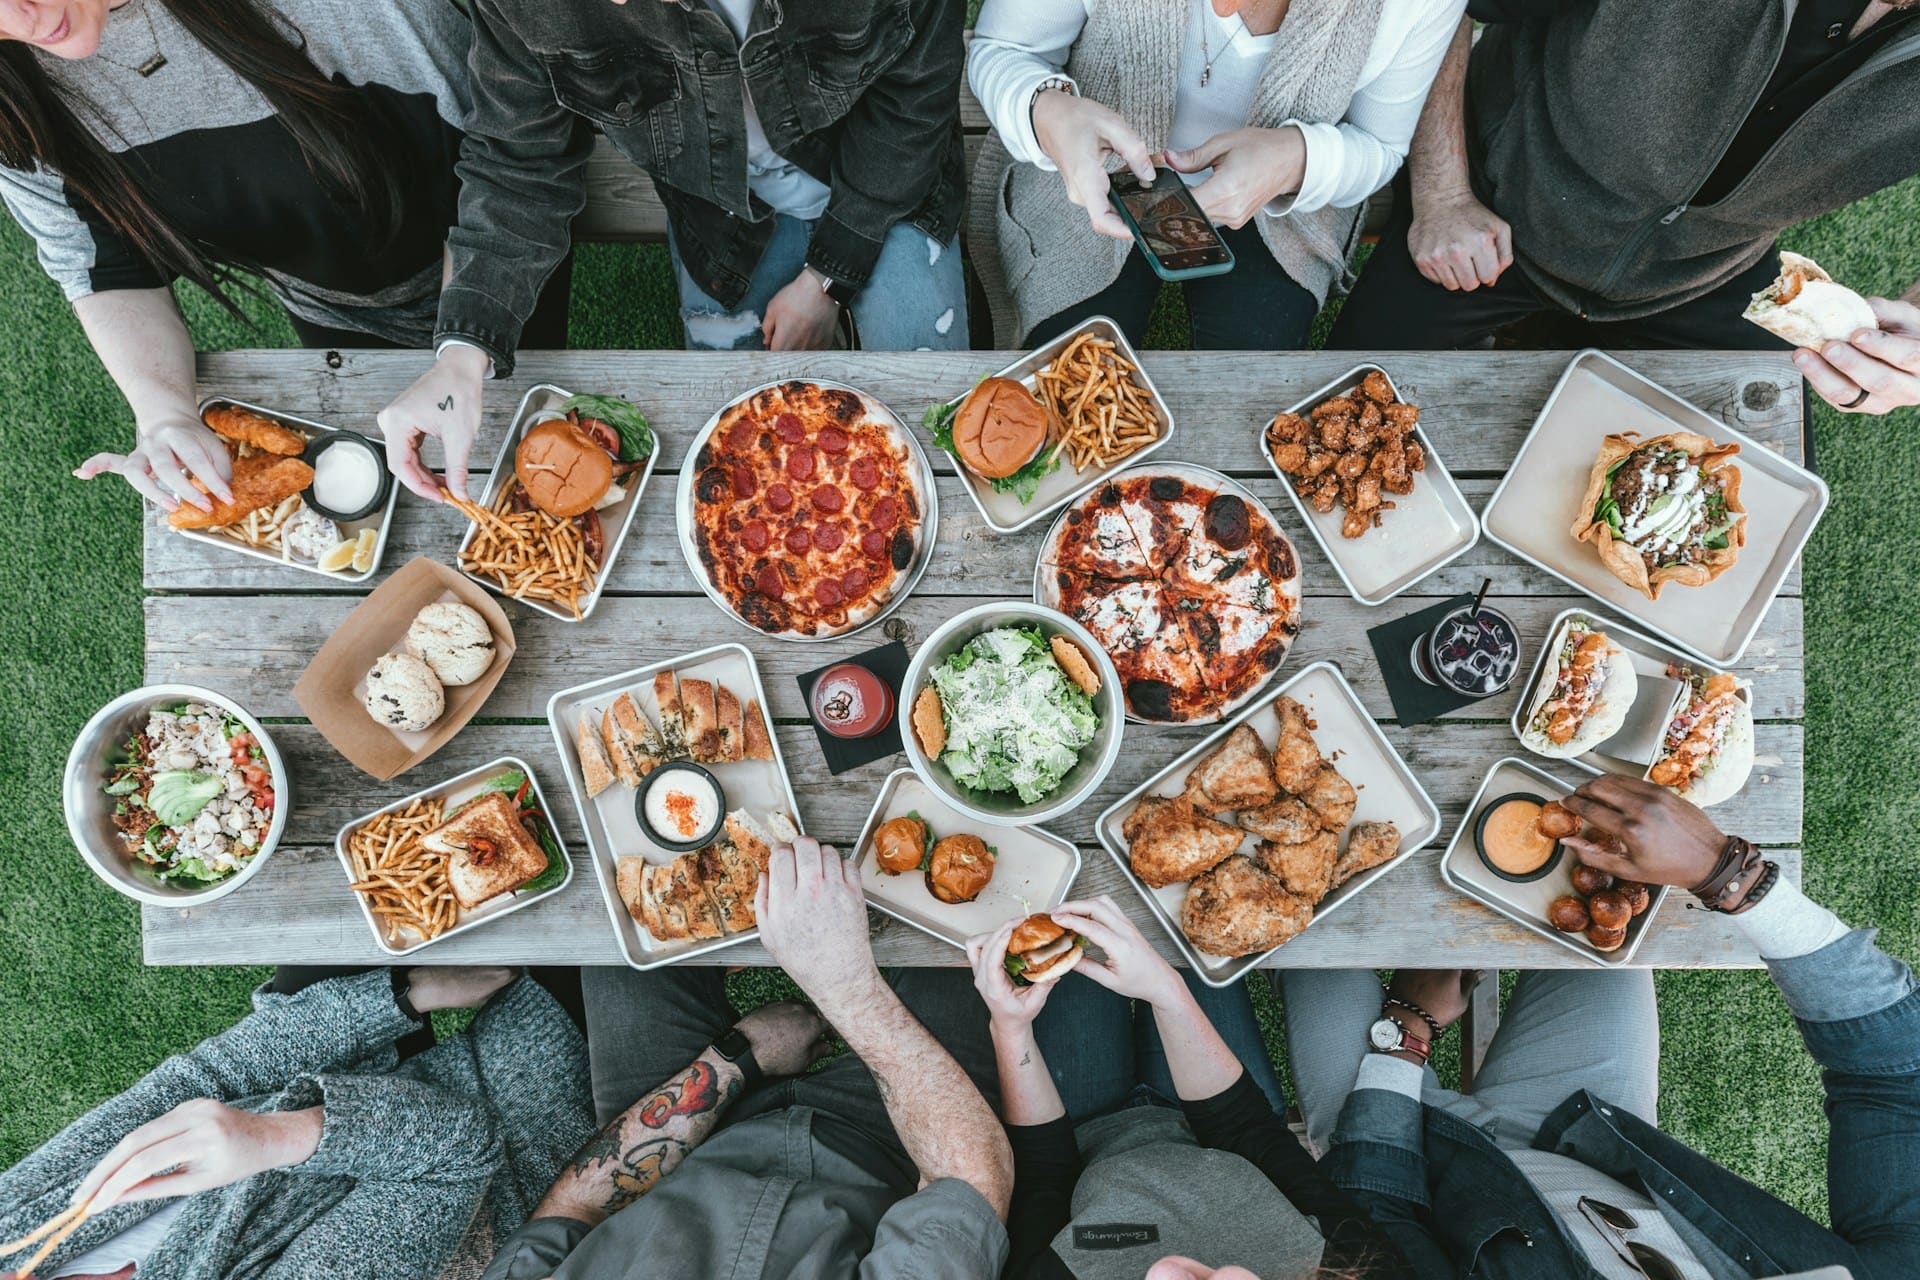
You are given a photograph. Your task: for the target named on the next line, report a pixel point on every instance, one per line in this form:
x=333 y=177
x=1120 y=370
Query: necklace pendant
x=1206 y=74
x=152 y=64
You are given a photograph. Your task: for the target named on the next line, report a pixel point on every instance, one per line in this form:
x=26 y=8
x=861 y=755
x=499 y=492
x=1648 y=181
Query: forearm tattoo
x=646 y=1142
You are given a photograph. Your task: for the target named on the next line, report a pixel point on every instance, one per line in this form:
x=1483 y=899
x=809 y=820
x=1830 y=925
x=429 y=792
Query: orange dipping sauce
x=1511 y=842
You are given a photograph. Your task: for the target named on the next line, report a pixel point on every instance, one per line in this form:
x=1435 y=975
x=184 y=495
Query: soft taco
x=1664 y=510
x=1807 y=307
x=1707 y=751
x=1583 y=697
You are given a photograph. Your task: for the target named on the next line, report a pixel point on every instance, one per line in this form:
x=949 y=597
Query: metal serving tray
x=1388 y=792
x=1428 y=528
x=1005 y=513
x=613 y=830
x=1533 y=511
x=1526 y=903
x=1650 y=659
x=381 y=519
x=456 y=791
x=615 y=521
x=923 y=473
x=1033 y=870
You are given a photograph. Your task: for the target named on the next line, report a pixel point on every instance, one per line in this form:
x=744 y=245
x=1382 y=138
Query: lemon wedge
x=338 y=557
x=363 y=550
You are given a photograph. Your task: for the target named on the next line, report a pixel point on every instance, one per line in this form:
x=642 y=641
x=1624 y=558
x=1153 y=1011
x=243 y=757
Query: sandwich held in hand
x=1583 y=699
x=1042 y=950
x=1808 y=307
x=1707 y=752
x=1664 y=510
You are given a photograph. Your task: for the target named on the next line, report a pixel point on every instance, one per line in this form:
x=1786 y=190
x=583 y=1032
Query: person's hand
x=434 y=987
x=1009 y=1007
x=1176 y=1267
x=1883 y=362
x=206 y=1144
x=1131 y=966
x=168 y=454
x=1078 y=135
x=813 y=922
x=1250 y=168
x=801 y=316
x=1457 y=242
x=444 y=402
x=786 y=1037
x=1666 y=840
x=1441 y=992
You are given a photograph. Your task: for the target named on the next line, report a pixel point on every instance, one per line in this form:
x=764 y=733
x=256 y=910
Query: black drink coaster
x=1414 y=700
x=889 y=662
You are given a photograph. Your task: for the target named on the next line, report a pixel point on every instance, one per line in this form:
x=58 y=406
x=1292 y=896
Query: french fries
x=1099 y=413
x=529 y=554
x=405 y=885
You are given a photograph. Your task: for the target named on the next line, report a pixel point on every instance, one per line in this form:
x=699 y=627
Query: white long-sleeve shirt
x=1020 y=44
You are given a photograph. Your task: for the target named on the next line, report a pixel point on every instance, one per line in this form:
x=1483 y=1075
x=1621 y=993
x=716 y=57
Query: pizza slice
x=1095 y=539
x=1235 y=648
x=1160 y=511
x=1134 y=623
x=1257 y=572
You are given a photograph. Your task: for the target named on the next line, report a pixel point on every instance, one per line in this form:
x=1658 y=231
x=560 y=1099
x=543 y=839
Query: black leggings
x=545 y=330
x=1254 y=307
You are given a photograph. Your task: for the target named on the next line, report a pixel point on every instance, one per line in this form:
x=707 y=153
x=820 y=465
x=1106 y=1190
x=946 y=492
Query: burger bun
x=563 y=469
x=999 y=428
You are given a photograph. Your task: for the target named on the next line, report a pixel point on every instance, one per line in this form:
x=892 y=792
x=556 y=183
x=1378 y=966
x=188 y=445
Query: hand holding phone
x=1178 y=239
x=1250 y=167
x=1078 y=135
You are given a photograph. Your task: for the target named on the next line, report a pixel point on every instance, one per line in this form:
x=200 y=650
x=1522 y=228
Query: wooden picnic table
x=248 y=629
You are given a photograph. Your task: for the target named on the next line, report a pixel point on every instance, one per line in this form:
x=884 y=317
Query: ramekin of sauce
x=350 y=477
x=1509 y=844
x=680 y=806
x=850 y=701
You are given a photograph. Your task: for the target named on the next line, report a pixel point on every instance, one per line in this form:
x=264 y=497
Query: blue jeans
x=1104 y=1054
x=916 y=300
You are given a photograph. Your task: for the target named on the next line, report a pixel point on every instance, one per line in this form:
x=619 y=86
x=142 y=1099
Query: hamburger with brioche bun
x=999 y=428
x=1042 y=950
x=582 y=458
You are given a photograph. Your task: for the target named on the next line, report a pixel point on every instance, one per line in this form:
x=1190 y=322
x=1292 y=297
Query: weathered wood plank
x=193 y=640
x=1477 y=404
x=968 y=559
x=1449 y=760
x=298 y=910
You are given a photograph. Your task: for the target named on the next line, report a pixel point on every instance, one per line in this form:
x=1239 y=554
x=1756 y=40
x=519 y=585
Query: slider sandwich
x=1042 y=950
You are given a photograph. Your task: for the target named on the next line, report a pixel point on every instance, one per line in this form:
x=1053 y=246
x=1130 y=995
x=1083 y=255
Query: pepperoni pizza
x=808 y=509
x=1188 y=585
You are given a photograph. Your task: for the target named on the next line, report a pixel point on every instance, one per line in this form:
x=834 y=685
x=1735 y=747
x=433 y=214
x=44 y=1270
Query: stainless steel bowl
x=90 y=810
x=1096 y=758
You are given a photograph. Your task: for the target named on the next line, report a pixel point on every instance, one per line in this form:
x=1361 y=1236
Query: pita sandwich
x=1808 y=307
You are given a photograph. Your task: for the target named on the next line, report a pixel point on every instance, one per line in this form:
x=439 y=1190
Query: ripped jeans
x=916 y=300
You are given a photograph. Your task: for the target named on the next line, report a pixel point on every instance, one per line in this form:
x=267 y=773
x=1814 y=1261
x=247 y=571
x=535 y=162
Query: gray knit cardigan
x=1034 y=250
x=423 y=1168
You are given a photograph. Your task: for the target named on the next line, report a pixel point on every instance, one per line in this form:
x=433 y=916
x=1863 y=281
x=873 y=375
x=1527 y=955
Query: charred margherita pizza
x=807 y=509
x=1190 y=587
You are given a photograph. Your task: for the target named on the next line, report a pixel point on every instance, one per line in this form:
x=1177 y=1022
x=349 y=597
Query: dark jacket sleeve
x=1046 y=1165
x=892 y=144
x=522 y=177
x=1515 y=10
x=1241 y=1120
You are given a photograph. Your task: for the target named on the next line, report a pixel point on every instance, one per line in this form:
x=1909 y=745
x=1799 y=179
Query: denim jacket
x=1458 y=1206
x=861 y=94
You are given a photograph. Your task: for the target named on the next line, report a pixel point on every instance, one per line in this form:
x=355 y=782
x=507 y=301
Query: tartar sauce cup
x=350 y=477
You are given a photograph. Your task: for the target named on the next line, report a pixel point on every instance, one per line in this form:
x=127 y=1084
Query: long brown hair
x=332 y=124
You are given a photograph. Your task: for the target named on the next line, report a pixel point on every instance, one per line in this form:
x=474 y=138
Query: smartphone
x=1178 y=239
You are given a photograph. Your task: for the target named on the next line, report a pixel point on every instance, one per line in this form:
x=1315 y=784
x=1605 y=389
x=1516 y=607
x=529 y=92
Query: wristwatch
x=840 y=291
x=1390 y=1035
x=737 y=1049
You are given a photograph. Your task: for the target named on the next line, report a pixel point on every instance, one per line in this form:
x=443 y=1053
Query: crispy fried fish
x=1169 y=841
x=1331 y=797
x=259 y=480
x=1296 y=757
x=244 y=426
x=1236 y=909
x=1305 y=868
x=1371 y=844
x=1238 y=774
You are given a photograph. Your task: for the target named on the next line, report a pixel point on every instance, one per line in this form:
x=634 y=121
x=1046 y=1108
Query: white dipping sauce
x=683 y=806
x=346 y=476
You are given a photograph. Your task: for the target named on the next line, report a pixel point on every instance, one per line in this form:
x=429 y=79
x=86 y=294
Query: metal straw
x=1473 y=614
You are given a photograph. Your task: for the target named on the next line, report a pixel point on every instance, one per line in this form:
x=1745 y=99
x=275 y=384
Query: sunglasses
x=1613 y=1223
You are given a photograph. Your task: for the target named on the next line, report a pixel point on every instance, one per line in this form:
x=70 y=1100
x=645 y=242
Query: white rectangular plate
x=454 y=792
x=1033 y=868
x=1003 y=512
x=1426 y=529
x=613 y=828
x=614 y=520
x=1526 y=904
x=1533 y=511
x=1347 y=736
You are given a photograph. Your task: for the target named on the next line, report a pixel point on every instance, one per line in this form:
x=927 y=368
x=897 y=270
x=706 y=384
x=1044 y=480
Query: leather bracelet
x=403 y=994
x=1432 y=1024
x=1761 y=888
x=1737 y=859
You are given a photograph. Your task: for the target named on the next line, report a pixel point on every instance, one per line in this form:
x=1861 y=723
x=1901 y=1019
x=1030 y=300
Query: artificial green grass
x=84 y=1018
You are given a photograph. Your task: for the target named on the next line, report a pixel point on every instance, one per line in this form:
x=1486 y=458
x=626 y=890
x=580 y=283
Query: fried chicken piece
x=1376 y=388
x=1290 y=457
x=1318 y=462
x=1237 y=909
x=1324 y=494
x=1287 y=820
x=1371 y=844
x=1331 y=797
x=1305 y=868
x=1168 y=840
x=1366 y=493
x=1401 y=418
x=1288 y=428
x=1352 y=465
x=259 y=480
x=1371 y=420
x=244 y=426
x=1336 y=406
x=1333 y=432
x=1362 y=437
x=1238 y=774
x=1356 y=523
x=1416 y=456
x=1296 y=757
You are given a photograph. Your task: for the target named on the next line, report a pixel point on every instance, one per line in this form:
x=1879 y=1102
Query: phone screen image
x=1171 y=225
